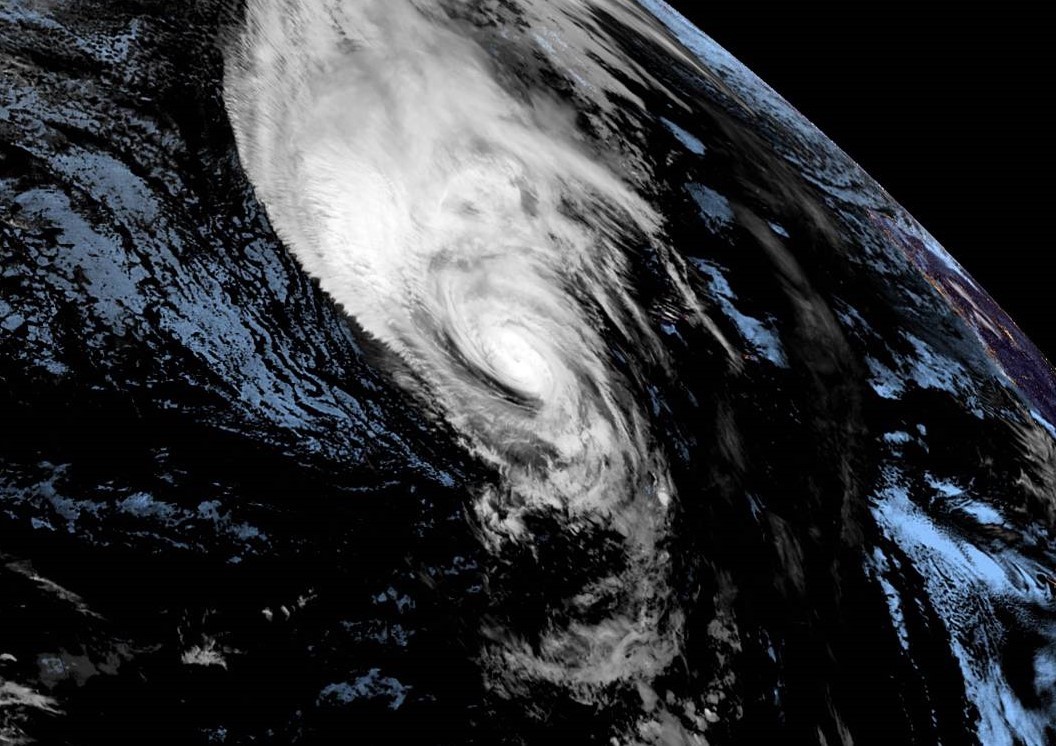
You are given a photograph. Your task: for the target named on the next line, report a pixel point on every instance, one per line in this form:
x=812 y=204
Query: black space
x=946 y=105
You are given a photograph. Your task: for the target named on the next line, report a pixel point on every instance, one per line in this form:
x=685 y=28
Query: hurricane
x=470 y=228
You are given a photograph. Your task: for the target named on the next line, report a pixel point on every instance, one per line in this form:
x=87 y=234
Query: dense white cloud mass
x=470 y=228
